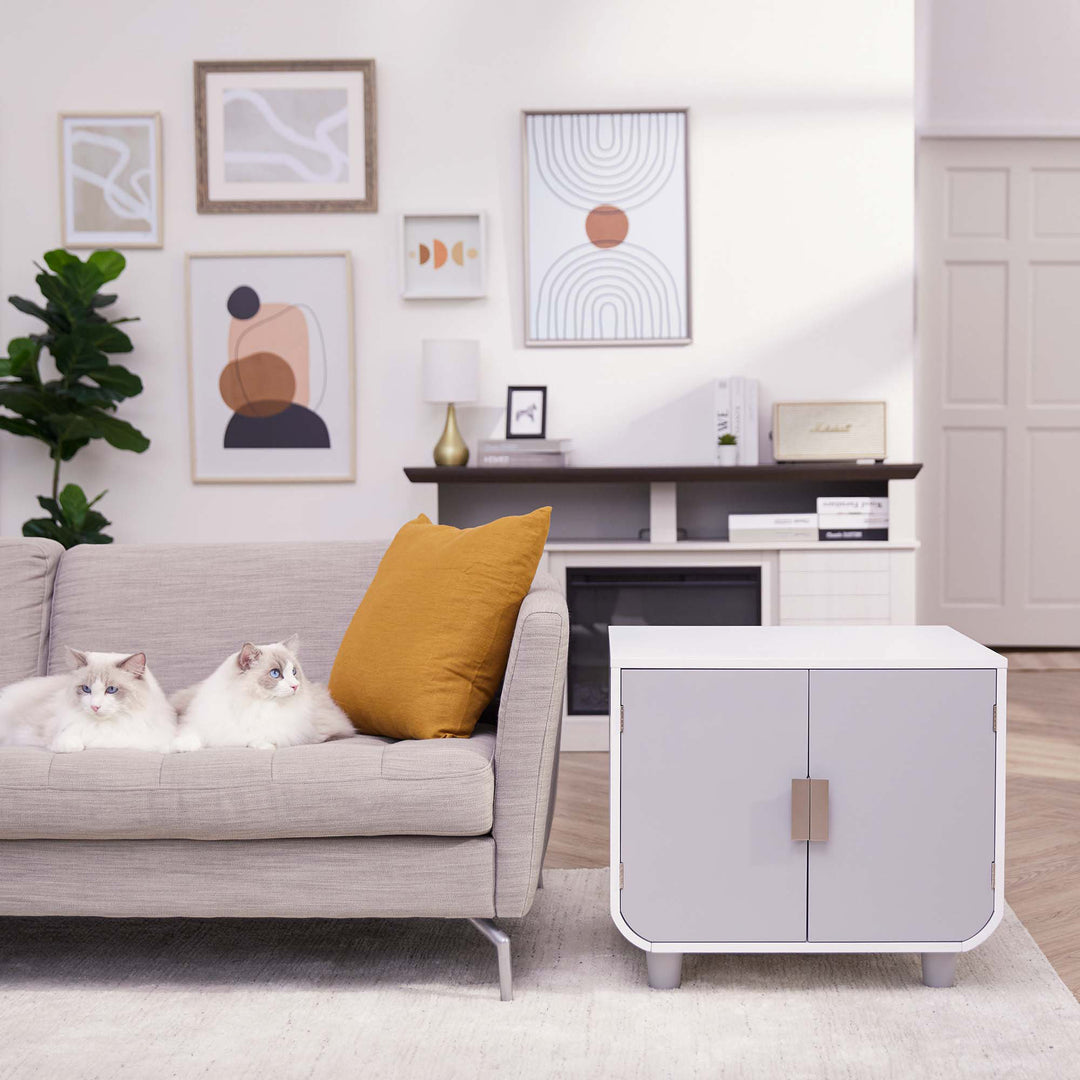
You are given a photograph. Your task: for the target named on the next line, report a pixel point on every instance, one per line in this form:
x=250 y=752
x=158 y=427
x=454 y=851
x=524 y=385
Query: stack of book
x=737 y=414
x=771 y=528
x=853 y=518
x=523 y=453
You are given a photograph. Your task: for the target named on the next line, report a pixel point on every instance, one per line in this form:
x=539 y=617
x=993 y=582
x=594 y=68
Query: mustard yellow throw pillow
x=426 y=649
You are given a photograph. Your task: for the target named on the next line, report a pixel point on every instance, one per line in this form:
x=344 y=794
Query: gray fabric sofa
x=450 y=828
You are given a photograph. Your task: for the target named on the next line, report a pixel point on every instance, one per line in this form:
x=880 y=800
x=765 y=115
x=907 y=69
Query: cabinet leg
x=939 y=968
x=665 y=970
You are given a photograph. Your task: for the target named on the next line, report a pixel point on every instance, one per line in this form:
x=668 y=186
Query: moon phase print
x=607 y=228
x=271 y=367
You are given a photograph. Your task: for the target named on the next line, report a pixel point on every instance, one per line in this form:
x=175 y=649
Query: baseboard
x=585 y=733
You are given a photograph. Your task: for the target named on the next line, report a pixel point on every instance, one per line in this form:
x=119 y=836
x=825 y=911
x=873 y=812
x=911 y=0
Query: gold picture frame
x=218 y=194
x=128 y=197
x=199 y=472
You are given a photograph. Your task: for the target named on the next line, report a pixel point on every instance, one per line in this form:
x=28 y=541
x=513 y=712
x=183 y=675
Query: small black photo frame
x=526 y=412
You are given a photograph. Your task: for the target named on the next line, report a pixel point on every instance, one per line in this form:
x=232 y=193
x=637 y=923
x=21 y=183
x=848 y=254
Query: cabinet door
x=910 y=757
x=707 y=760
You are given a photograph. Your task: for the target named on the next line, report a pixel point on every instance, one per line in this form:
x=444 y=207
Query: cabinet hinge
x=622 y=717
x=993 y=875
x=620 y=875
x=995 y=718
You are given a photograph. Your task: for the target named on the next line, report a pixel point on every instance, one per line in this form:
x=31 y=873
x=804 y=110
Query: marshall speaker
x=828 y=430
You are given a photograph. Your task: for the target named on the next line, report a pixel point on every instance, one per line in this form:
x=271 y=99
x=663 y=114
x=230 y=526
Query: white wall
x=801 y=211
x=998 y=67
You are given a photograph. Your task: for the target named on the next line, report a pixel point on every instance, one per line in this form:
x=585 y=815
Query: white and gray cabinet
x=795 y=789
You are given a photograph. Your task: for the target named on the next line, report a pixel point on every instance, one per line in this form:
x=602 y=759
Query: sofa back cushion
x=188 y=606
x=27 y=572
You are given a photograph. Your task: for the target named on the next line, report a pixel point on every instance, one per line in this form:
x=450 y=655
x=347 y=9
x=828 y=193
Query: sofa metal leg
x=501 y=941
x=540 y=880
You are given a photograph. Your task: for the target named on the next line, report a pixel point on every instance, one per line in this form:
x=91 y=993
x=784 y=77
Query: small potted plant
x=726 y=450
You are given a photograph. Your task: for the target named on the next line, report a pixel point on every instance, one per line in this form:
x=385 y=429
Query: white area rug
x=256 y=1000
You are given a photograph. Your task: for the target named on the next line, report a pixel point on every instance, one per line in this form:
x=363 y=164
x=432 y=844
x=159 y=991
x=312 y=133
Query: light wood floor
x=1042 y=857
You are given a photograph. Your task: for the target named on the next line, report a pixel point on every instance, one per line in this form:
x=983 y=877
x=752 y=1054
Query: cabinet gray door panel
x=909 y=756
x=707 y=763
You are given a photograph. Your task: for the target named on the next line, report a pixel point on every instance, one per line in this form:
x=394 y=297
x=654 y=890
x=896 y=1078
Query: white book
x=750 y=405
x=738 y=416
x=762 y=522
x=723 y=412
x=853 y=504
x=852 y=521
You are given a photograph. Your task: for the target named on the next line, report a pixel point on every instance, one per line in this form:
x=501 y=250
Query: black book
x=853 y=534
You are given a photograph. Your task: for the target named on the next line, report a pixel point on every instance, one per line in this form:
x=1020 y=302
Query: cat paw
x=66 y=744
x=185 y=742
x=262 y=746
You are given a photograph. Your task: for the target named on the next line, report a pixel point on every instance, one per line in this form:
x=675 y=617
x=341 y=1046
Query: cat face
x=271 y=672
x=107 y=686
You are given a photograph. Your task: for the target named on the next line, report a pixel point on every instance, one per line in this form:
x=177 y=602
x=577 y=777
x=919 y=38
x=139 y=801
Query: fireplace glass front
x=672 y=596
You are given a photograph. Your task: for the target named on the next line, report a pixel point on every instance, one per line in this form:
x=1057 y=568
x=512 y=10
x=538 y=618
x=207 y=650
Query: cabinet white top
x=797 y=646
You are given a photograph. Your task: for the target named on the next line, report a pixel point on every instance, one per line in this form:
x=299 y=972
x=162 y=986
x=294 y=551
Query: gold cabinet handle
x=810 y=809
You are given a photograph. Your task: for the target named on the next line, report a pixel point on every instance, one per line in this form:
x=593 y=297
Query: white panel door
x=998 y=422
x=705 y=804
x=909 y=755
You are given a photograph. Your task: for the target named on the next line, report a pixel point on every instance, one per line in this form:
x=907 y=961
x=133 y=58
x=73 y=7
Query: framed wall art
x=606 y=228
x=270 y=363
x=526 y=412
x=290 y=136
x=110 y=180
x=443 y=256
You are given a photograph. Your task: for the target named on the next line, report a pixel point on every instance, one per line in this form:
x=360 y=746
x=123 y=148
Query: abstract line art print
x=270 y=340
x=110 y=169
x=289 y=136
x=607 y=249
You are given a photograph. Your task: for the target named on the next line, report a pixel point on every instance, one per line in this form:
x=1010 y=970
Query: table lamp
x=451 y=373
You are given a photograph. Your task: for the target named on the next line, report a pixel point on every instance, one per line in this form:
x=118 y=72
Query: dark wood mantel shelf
x=815 y=472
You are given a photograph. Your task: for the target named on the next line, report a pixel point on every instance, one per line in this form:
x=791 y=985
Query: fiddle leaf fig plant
x=79 y=405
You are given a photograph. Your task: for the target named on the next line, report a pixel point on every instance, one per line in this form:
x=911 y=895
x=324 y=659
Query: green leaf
x=120 y=433
x=22 y=359
x=51 y=506
x=50 y=530
x=22 y=427
x=74 y=505
x=103 y=300
x=58 y=258
x=106 y=337
x=119 y=380
x=26 y=400
x=94 y=522
x=51 y=318
x=110 y=264
x=70 y=448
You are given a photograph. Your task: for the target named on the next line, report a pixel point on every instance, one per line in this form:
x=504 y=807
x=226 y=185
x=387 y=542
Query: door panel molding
x=999 y=351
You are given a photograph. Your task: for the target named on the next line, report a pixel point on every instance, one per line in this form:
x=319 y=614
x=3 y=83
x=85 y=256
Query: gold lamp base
x=451 y=448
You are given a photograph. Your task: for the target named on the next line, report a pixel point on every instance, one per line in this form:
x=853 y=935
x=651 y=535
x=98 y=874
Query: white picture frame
x=607 y=227
x=111 y=179
x=271 y=369
x=443 y=255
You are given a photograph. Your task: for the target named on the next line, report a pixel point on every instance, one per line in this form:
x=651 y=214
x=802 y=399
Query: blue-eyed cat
x=258 y=697
x=108 y=701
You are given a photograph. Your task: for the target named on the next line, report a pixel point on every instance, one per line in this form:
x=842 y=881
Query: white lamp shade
x=451 y=370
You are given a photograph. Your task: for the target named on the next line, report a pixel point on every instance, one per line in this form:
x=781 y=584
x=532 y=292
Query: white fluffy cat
x=258 y=697
x=109 y=701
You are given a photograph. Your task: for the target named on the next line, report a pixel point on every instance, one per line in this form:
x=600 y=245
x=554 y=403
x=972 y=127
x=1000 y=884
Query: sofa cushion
x=363 y=786
x=428 y=644
x=188 y=606
x=27 y=570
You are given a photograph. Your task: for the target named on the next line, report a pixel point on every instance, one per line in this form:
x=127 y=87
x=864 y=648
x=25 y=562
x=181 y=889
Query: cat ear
x=292 y=643
x=78 y=659
x=248 y=655
x=135 y=664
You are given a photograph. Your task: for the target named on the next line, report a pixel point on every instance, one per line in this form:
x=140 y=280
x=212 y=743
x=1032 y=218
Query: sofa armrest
x=527 y=744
